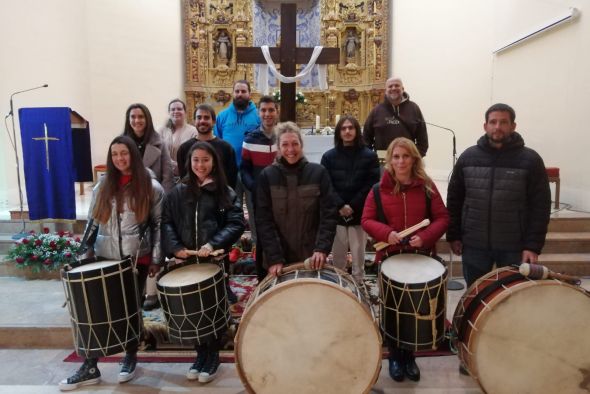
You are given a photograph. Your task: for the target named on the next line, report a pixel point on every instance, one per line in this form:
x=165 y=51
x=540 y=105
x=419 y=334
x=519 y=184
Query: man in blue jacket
x=232 y=125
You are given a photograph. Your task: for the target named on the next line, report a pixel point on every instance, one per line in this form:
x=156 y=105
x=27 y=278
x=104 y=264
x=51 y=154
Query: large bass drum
x=518 y=335
x=308 y=331
x=104 y=306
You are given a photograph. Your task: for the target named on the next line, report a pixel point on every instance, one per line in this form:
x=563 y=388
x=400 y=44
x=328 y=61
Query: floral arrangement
x=44 y=251
x=299 y=97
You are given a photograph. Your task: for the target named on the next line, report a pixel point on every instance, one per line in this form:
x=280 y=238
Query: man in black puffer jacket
x=498 y=199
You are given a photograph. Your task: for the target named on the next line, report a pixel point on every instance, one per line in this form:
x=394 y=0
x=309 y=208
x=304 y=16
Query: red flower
x=68 y=255
x=34 y=257
x=25 y=241
x=20 y=260
x=46 y=230
x=77 y=239
x=32 y=232
x=61 y=233
x=38 y=242
x=47 y=262
x=68 y=243
x=52 y=245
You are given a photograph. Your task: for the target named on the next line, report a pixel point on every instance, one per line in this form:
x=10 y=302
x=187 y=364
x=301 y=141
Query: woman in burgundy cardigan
x=408 y=196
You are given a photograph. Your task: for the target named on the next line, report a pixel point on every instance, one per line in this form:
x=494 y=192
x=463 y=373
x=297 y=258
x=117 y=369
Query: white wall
x=443 y=51
x=97 y=57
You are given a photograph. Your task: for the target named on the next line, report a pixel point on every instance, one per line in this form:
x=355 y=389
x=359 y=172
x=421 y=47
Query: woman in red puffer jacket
x=408 y=196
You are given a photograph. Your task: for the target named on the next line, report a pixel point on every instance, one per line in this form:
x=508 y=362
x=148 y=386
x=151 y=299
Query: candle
x=317 y=122
x=337 y=119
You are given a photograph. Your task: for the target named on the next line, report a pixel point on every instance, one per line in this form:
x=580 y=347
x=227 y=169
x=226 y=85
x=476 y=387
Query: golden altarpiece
x=359 y=28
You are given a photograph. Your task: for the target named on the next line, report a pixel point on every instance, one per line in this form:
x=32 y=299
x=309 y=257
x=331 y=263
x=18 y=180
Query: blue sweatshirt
x=232 y=126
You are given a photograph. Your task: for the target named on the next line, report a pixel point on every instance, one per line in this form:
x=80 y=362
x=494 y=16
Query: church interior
x=456 y=58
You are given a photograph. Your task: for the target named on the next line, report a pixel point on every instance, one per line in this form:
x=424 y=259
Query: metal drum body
x=518 y=335
x=413 y=292
x=308 y=331
x=104 y=306
x=194 y=302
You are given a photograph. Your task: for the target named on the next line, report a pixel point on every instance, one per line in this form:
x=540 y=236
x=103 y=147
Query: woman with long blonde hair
x=407 y=196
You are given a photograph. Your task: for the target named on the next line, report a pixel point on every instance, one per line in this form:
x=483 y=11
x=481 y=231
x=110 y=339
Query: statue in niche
x=223 y=48
x=351 y=45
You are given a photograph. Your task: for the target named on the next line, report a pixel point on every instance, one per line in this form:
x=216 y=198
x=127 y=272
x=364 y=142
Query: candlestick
x=317 y=122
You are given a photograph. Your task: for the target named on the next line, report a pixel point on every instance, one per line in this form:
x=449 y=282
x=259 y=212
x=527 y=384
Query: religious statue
x=351 y=44
x=223 y=48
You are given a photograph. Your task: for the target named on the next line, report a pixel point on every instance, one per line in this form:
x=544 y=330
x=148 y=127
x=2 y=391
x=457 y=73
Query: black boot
x=410 y=367
x=396 y=364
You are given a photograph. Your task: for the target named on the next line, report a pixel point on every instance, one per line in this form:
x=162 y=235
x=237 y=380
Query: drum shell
x=407 y=318
x=536 y=327
x=276 y=370
x=104 y=308
x=195 y=313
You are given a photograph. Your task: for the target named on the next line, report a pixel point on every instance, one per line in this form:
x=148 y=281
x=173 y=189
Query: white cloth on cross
x=262 y=80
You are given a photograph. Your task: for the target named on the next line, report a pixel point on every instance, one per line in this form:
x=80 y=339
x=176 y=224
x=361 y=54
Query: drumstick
x=402 y=234
x=538 y=271
x=214 y=253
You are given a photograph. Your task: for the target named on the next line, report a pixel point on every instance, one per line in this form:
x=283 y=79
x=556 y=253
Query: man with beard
x=498 y=199
x=204 y=121
x=395 y=117
x=232 y=125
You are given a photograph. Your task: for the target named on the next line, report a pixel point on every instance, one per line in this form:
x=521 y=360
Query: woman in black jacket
x=353 y=169
x=202 y=214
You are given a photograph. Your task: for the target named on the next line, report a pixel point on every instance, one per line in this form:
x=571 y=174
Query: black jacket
x=295 y=215
x=499 y=199
x=219 y=227
x=353 y=171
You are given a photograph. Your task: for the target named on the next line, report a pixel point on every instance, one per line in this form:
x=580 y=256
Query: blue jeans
x=478 y=262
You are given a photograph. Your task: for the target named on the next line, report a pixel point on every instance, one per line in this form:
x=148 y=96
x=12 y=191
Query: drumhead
x=188 y=274
x=412 y=268
x=534 y=341
x=307 y=336
x=95 y=265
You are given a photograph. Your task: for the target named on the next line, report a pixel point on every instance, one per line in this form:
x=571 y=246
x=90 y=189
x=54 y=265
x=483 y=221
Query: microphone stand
x=22 y=233
x=452 y=284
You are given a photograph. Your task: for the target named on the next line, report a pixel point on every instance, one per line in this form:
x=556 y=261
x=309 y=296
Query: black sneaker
x=197 y=367
x=87 y=374
x=128 y=367
x=210 y=369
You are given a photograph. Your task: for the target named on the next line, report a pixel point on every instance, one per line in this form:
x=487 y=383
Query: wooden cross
x=289 y=56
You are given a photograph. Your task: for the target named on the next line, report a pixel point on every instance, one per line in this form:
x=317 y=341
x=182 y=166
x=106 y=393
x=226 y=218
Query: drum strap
x=379 y=204
x=476 y=301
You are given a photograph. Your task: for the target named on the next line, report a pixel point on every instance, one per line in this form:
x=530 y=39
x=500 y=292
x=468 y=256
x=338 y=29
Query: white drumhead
x=188 y=275
x=412 y=268
x=308 y=336
x=534 y=341
x=96 y=265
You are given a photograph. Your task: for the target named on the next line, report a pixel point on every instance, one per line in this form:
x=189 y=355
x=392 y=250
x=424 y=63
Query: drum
x=413 y=292
x=104 y=306
x=518 y=335
x=308 y=331
x=194 y=302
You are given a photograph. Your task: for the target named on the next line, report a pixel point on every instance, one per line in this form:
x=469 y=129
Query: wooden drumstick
x=538 y=271
x=214 y=253
x=402 y=234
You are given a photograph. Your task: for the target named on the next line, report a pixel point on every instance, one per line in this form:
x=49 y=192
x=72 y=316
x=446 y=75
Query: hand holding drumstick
x=395 y=238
